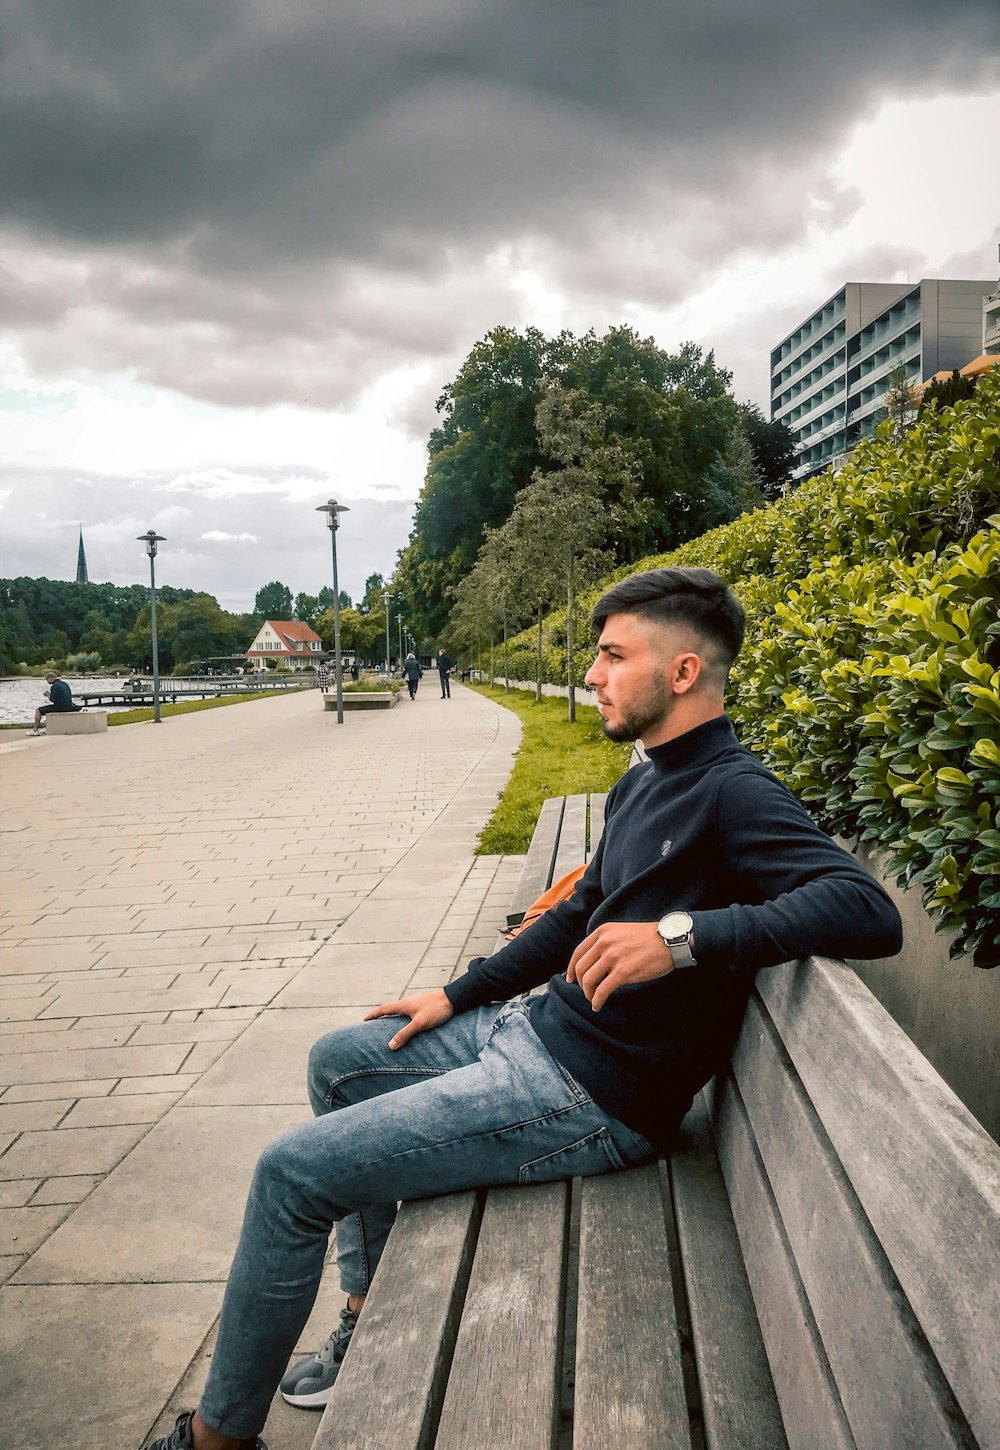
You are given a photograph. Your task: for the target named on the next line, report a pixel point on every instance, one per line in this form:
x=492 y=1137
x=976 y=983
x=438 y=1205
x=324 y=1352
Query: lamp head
x=151 y=538
x=332 y=509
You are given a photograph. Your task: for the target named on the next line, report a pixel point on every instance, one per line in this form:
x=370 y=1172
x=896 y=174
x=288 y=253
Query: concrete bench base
x=85 y=723
x=362 y=700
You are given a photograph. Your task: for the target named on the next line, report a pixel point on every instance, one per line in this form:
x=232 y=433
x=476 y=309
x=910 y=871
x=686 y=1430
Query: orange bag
x=560 y=890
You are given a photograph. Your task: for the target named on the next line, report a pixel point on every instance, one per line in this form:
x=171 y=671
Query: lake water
x=20 y=698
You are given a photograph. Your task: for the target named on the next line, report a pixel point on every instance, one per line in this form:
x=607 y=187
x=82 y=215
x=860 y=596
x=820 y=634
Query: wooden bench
x=83 y=722
x=817 y=1266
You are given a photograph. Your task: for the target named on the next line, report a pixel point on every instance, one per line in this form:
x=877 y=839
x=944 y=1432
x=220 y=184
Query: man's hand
x=618 y=953
x=425 y=1010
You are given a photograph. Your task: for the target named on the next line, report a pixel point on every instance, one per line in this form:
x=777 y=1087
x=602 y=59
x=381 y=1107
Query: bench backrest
x=867 y=1200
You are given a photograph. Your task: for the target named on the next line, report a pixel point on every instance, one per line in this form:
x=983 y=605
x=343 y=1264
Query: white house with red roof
x=290 y=643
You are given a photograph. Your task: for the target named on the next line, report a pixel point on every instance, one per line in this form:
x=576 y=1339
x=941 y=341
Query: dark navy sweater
x=702 y=827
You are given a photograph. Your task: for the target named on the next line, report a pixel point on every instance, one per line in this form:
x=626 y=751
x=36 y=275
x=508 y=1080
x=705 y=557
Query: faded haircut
x=699 y=598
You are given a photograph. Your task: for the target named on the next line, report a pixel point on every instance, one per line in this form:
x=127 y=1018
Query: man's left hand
x=616 y=954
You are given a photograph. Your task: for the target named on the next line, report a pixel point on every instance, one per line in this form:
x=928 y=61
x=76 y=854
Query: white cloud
x=219 y=536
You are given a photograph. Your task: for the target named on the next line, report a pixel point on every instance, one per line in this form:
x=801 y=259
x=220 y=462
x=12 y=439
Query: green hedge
x=870 y=677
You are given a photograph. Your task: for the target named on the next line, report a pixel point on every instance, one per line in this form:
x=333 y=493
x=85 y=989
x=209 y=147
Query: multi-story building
x=829 y=377
x=991 y=324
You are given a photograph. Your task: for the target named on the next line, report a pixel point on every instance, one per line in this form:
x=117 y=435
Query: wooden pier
x=139 y=691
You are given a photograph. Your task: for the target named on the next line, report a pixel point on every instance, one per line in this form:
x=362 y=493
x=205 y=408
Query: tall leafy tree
x=772 y=444
x=673 y=415
x=273 y=601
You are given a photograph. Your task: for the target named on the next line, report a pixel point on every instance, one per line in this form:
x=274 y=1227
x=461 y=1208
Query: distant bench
x=83 y=722
x=817 y=1265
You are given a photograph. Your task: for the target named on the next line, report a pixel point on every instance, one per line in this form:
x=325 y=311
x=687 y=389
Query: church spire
x=81 y=562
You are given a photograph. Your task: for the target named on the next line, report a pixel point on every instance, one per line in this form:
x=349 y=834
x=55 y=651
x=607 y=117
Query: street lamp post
x=333 y=510
x=399 y=626
x=151 y=539
x=387 y=599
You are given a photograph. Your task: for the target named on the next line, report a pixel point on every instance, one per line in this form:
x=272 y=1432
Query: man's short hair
x=696 y=597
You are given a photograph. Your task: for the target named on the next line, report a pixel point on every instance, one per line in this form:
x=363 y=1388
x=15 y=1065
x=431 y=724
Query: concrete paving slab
x=97 y=1062
x=17 y=1192
x=22 y=1117
x=138 y=1340
x=54 y=1153
x=357 y=983
x=267 y=1064
x=114 y=1111
x=146 y=1223
x=22 y=1230
x=34 y=1092
x=66 y=1190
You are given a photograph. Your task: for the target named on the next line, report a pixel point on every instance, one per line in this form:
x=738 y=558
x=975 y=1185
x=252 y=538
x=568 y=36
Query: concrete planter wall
x=363 y=700
x=948 y=1007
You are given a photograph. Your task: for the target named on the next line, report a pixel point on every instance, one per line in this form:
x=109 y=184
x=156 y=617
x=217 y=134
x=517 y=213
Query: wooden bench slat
x=737 y=1392
x=597 y=803
x=503 y=1392
x=937 y=1213
x=536 y=873
x=810 y=1405
x=629 y=1378
x=389 y=1391
x=841 y=1263
x=572 y=849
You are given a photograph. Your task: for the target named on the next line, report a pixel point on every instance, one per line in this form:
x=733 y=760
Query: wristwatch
x=677 y=931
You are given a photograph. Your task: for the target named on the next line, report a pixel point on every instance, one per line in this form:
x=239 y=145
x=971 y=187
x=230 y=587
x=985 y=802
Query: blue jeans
x=476 y=1101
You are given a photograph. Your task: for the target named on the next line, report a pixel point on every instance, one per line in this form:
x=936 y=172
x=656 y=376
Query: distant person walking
x=61 y=697
x=323 y=675
x=445 y=666
x=412 y=671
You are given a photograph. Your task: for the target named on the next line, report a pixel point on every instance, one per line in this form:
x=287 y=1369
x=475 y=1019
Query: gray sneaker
x=181 y=1437
x=309 y=1383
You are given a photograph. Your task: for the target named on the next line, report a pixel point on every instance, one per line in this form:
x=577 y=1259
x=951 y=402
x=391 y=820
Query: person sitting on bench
x=61 y=696
x=708 y=870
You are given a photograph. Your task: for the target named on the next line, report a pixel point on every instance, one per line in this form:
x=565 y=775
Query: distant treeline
x=91 y=626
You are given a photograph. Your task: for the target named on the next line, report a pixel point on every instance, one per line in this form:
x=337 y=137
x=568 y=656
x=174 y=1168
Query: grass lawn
x=188 y=707
x=555 y=758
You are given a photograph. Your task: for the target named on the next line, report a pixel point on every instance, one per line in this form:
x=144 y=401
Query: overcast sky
x=243 y=244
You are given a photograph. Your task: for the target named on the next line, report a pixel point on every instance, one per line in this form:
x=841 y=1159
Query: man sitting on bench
x=61 y=697
x=708 y=870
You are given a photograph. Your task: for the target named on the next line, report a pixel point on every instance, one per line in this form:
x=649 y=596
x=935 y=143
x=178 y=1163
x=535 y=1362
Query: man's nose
x=593 y=674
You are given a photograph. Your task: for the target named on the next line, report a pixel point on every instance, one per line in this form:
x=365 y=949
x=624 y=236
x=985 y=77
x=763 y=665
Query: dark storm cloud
x=253 y=202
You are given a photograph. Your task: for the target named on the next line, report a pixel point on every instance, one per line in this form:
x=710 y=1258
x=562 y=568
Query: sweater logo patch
x=665 y=848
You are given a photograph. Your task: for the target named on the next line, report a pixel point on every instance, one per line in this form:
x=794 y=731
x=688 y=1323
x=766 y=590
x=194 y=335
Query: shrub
x=870 y=677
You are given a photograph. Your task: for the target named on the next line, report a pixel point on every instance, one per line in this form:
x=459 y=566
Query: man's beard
x=649 y=711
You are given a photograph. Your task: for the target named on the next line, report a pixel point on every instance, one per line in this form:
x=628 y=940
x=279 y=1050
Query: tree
x=773 y=447
x=359 y=632
x=902 y=400
x=306 y=607
x=273 y=601
x=187 y=630
x=946 y=392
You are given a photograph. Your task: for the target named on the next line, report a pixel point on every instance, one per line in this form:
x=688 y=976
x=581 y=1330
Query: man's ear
x=685 y=671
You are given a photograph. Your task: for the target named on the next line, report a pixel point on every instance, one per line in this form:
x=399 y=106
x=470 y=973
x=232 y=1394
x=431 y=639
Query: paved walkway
x=183 y=909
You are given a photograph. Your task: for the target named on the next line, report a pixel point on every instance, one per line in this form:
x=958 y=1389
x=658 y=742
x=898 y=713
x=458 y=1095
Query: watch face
x=675 y=924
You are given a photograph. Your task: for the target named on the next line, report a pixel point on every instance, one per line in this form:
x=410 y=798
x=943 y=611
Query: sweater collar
x=694 y=747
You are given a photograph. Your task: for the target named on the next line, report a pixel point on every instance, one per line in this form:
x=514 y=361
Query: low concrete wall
x=948 y=1007
x=362 y=699
x=86 y=722
x=584 y=695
